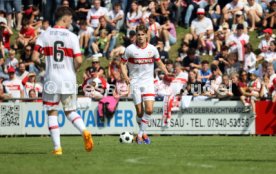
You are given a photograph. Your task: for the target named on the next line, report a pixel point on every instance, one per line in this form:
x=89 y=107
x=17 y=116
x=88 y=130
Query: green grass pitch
x=166 y=154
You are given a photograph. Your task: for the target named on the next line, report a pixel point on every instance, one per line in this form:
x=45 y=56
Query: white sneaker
x=167 y=48
x=97 y=55
x=210 y=52
x=204 y=53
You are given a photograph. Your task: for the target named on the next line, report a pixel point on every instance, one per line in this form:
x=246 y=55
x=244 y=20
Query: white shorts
x=142 y=91
x=51 y=101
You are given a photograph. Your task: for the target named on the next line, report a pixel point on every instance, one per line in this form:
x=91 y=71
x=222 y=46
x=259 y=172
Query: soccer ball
x=126 y=137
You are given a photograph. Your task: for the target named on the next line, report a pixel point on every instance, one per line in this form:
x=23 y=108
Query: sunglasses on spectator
x=94 y=62
x=244 y=74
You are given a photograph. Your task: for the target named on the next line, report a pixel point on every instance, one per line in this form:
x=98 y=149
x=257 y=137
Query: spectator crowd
x=220 y=31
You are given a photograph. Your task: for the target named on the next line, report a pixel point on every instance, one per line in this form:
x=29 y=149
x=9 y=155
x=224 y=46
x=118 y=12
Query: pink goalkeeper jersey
x=141 y=61
x=60 y=47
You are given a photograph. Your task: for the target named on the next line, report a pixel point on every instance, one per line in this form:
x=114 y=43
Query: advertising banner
x=223 y=117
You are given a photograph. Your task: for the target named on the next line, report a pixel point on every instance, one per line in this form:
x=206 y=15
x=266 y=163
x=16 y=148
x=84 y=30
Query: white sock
x=54 y=130
x=144 y=124
x=77 y=121
x=167 y=43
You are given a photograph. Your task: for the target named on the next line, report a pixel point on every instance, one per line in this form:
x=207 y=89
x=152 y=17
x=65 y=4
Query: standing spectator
x=254 y=13
x=13 y=86
x=16 y=5
x=49 y=7
x=21 y=73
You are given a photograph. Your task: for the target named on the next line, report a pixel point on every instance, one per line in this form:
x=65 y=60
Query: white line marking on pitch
x=200 y=165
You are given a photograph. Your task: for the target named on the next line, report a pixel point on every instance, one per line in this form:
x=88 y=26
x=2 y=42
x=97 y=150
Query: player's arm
x=161 y=65
x=77 y=62
x=124 y=71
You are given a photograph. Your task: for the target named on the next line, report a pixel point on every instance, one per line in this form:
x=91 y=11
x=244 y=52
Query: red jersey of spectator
x=6 y=39
x=28 y=32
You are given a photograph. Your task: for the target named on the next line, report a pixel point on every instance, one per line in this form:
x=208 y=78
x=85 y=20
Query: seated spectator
x=115 y=17
x=180 y=79
x=194 y=87
x=230 y=9
x=11 y=61
x=233 y=64
x=164 y=55
x=94 y=14
x=270 y=54
x=84 y=35
x=26 y=58
x=199 y=29
x=269 y=18
x=221 y=59
x=35 y=18
x=251 y=93
x=239 y=19
x=249 y=59
x=13 y=86
x=272 y=90
x=3 y=74
x=224 y=90
x=121 y=89
x=182 y=52
x=221 y=36
x=6 y=33
x=213 y=11
x=3 y=95
x=213 y=82
x=82 y=9
x=265 y=85
x=204 y=73
x=271 y=73
x=154 y=30
x=254 y=13
x=168 y=34
x=265 y=42
x=235 y=85
x=191 y=61
x=133 y=18
x=208 y=45
x=94 y=87
x=30 y=83
x=101 y=44
x=114 y=66
x=236 y=42
x=21 y=73
x=95 y=64
x=26 y=36
x=45 y=25
x=193 y=5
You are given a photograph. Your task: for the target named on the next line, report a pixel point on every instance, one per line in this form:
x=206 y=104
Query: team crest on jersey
x=150 y=53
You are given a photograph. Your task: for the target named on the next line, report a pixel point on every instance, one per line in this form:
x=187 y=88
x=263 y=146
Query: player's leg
x=70 y=106
x=145 y=119
x=50 y=103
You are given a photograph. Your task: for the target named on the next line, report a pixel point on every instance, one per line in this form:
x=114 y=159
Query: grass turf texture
x=167 y=154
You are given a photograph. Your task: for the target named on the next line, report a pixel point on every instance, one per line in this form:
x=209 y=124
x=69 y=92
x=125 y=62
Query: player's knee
x=140 y=114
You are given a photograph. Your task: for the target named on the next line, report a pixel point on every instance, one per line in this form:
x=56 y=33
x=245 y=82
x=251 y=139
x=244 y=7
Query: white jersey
x=60 y=47
x=178 y=83
x=264 y=44
x=249 y=62
x=201 y=26
x=93 y=15
x=113 y=15
x=243 y=39
x=134 y=19
x=36 y=86
x=141 y=61
x=232 y=6
x=13 y=87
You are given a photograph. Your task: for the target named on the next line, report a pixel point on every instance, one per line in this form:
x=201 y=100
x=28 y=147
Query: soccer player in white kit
x=140 y=58
x=63 y=58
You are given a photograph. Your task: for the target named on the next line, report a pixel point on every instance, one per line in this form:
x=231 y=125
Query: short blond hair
x=12 y=51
